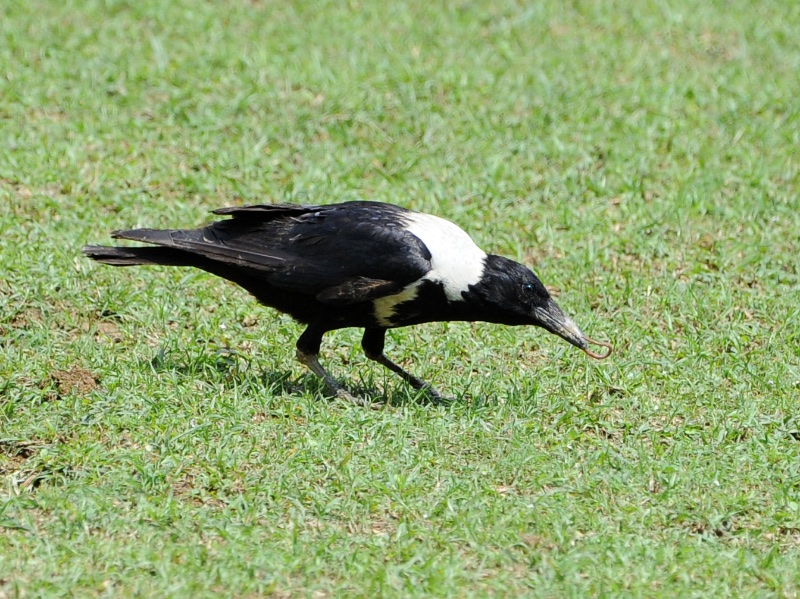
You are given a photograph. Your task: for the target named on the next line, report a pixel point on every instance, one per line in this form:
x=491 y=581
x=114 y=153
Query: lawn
x=157 y=437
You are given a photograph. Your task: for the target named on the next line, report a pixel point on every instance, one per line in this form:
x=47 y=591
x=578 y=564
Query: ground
x=157 y=437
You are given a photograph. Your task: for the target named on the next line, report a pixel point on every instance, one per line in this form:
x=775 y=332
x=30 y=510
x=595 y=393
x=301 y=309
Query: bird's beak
x=553 y=319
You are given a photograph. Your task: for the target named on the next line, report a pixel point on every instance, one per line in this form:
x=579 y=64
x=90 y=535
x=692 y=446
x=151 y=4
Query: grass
x=157 y=437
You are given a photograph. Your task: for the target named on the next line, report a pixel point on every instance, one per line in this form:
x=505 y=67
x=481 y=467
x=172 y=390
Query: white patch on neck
x=456 y=262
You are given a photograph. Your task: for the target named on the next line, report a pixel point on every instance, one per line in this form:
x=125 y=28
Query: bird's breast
x=422 y=301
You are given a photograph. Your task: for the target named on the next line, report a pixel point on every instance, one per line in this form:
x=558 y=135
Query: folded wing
x=339 y=256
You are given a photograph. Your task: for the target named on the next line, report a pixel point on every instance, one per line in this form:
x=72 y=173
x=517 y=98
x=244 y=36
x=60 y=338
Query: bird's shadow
x=395 y=394
x=234 y=369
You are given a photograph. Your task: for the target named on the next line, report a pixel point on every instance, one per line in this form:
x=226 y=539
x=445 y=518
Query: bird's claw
x=344 y=395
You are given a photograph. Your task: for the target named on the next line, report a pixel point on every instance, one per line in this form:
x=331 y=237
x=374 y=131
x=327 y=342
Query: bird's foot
x=432 y=393
x=415 y=382
x=420 y=385
x=334 y=388
x=343 y=394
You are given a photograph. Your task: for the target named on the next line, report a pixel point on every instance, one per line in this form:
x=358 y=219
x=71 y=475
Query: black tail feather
x=121 y=256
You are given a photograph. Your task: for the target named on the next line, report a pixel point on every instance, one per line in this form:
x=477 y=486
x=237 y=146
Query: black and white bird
x=356 y=264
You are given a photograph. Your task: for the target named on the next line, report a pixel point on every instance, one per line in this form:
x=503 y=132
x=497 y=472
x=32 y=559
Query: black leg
x=373 y=342
x=308 y=354
x=311 y=340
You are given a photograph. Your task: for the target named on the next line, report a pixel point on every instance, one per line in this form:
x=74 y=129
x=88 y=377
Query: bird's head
x=510 y=293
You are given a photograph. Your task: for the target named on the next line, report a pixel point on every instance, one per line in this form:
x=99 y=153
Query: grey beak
x=552 y=318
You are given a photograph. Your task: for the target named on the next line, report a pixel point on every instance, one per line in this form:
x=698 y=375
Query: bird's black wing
x=267 y=212
x=341 y=254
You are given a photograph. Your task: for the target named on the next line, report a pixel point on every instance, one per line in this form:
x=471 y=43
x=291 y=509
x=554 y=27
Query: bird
x=364 y=264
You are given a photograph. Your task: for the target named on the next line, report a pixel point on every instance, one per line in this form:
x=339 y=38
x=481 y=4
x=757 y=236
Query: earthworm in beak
x=594 y=355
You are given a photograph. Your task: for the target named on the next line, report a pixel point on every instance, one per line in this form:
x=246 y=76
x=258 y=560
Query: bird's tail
x=166 y=254
x=131 y=256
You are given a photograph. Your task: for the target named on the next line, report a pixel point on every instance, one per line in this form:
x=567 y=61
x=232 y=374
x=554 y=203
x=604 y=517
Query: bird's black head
x=509 y=293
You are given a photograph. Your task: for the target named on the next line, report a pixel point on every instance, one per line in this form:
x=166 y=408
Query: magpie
x=363 y=264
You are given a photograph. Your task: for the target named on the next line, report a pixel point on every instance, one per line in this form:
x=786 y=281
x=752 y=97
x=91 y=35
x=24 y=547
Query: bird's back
x=297 y=259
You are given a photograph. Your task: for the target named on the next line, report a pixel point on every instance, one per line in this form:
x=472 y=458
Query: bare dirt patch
x=76 y=380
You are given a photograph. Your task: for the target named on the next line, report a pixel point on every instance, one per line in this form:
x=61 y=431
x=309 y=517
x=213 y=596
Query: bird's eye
x=527 y=287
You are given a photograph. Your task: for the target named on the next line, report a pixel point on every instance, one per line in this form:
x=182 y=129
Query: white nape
x=456 y=262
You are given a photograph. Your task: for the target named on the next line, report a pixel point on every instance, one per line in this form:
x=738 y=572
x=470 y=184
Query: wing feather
x=340 y=254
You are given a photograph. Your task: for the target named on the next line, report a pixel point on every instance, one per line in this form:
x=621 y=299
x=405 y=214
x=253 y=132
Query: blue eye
x=527 y=287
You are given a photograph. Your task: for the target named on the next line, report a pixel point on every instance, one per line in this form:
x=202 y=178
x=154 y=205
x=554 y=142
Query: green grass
x=157 y=437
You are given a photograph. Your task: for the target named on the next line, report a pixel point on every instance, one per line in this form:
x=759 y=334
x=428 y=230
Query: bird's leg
x=373 y=342
x=308 y=346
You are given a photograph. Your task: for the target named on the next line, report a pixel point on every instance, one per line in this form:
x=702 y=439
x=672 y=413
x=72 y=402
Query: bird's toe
x=345 y=395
